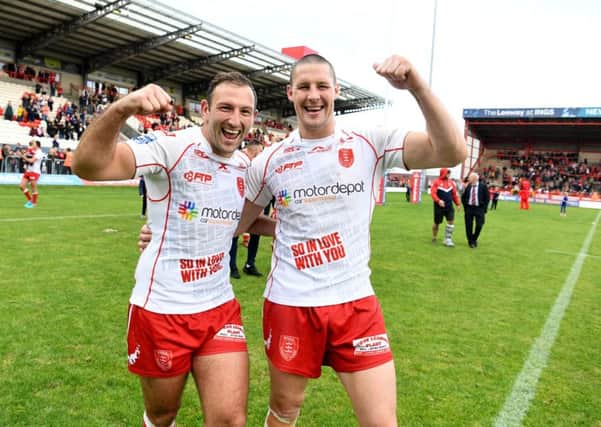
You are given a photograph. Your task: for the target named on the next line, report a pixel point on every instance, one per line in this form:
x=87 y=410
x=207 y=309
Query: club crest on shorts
x=240 y=185
x=346 y=157
x=288 y=347
x=163 y=359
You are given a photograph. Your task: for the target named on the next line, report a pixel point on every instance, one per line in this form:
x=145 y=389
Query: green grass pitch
x=461 y=321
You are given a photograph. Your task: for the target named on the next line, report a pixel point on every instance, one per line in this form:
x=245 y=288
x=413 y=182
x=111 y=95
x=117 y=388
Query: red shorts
x=31 y=176
x=348 y=337
x=163 y=345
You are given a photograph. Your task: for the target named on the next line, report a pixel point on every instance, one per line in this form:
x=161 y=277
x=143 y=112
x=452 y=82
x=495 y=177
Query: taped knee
x=288 y=420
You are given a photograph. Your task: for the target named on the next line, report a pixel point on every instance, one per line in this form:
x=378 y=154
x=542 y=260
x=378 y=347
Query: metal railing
x=14 y=164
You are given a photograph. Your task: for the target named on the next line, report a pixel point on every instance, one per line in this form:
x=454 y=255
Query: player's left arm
x=263 y=226
x=250 y=214
x=443 y=144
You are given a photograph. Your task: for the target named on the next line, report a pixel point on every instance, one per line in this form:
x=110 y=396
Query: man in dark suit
x=475 y=200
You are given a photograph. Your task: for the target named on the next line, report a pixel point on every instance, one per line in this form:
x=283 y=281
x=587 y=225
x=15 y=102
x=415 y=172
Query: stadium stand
x=85 y=53
x=557 y=149
x=82 y=54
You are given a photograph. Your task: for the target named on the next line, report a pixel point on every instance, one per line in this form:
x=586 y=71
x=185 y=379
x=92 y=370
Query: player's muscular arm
x=98 y=155
x=443 y=144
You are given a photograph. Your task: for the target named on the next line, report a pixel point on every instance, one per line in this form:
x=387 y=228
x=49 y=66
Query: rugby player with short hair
x=183 y=316
x=320 y=307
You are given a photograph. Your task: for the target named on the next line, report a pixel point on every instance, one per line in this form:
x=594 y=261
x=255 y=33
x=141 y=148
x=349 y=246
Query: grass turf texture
x=461 y=321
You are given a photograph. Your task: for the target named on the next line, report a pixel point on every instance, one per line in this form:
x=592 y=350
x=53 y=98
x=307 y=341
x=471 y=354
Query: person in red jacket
x=524 y=194
x=444 y=194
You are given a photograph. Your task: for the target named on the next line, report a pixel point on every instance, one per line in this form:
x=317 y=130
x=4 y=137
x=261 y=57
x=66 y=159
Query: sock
x=34 y=198
x=26 y=193
x=448 y=231
x=147 y=423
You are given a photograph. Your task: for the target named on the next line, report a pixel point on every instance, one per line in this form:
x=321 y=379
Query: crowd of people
x=547 y=171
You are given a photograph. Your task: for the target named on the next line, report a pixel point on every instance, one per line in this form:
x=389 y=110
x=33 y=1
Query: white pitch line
x=553 y=251
x=52 y=218
x=517 y=403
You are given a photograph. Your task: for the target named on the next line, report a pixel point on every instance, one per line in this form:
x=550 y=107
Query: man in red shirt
x=444 y=194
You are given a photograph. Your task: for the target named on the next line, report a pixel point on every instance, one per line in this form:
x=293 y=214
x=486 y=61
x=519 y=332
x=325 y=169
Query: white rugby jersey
x=325 y=195
x=36 y=166
x=195 y=199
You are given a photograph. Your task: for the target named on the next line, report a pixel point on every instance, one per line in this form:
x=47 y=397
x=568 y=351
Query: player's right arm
x=98 y=155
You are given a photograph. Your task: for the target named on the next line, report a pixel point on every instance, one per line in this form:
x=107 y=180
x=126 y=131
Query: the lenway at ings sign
x=580 y=112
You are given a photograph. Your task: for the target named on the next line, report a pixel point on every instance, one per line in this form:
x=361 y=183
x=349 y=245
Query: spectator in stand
x=444 y=194
x=79 y=130
x=21 y=71
x=43 y=128
x=50 y=160
x=10 y=69
x=8 y=112
x=45 y=111
x=29 y=73
x=25 y=99
x=60 y=163
x=20 y=113
x=67 y=162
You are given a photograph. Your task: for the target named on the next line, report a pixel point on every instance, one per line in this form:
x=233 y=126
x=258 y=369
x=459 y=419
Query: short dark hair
x=312 y=58
x=232 y=77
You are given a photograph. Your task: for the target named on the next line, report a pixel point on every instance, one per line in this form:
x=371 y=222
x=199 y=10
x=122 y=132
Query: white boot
x=449 y=243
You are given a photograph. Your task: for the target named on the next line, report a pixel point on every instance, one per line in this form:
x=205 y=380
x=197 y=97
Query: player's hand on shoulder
x=400 y=73
x=148 y=100
x=144 y=237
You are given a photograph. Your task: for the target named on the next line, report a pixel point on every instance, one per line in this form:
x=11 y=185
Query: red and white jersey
x=325 y=193
x=36 y=166
x=195 y=202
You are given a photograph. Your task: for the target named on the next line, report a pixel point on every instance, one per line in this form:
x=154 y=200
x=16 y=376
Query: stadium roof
x=577 y=128
x=158 y=43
